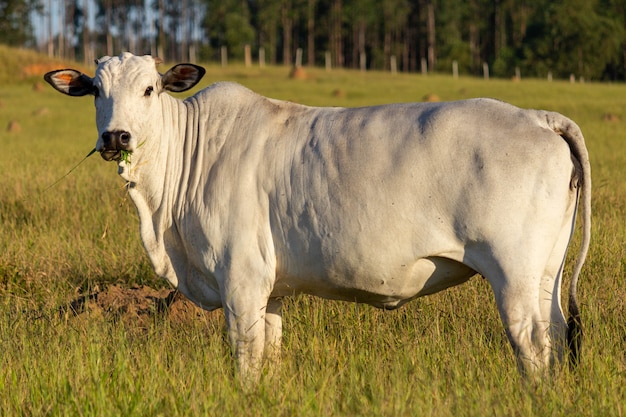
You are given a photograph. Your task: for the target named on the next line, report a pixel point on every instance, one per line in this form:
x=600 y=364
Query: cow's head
x=127 y=93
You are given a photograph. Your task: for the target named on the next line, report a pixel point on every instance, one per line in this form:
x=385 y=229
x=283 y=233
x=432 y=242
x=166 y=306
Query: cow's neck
x=154 y=176
x=157 y=158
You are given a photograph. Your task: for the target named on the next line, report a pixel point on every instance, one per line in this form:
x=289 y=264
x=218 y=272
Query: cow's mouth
x=111 y=154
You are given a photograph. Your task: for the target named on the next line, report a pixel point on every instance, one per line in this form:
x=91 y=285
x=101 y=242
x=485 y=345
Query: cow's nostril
x=124 y=138
x=106 y=138
x=116 y=139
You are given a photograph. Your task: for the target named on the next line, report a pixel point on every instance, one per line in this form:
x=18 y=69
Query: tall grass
x=441 y=355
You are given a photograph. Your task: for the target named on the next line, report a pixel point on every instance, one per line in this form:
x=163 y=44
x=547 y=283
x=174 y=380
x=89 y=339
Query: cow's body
x=243 y=200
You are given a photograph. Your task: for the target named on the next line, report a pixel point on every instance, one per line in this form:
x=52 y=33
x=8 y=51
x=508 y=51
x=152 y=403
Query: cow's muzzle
x=113 y=143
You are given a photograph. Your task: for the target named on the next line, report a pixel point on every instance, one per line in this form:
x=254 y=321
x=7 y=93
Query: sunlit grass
x=442 y=355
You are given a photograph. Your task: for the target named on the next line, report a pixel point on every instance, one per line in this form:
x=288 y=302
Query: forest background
x=577 y=39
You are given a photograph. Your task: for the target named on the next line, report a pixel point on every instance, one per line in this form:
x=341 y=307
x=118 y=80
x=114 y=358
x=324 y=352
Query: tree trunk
x=358 y=42
x=50 y=35
x=311 y=33
x=361 y=37
x=431 y=37
x=287 y=22
x=185 y=24
x=473 y=38
x=161 y=38
x=86 y=43
x=335 y=36
x=497 y=30
x=406 y=65
x=624 y=53
x=387 y=49
x=107 y=22
x=61 y=47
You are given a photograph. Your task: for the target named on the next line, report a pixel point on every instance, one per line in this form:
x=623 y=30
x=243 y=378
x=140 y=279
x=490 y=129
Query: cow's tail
x=569 y=131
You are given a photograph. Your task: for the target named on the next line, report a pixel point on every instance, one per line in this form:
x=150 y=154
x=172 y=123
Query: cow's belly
x=385 y=289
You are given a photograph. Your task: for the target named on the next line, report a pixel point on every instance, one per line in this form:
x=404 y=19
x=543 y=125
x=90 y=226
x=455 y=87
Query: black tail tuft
x=574 y=337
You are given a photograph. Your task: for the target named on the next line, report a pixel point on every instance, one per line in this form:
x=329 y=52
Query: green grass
x=441 y=355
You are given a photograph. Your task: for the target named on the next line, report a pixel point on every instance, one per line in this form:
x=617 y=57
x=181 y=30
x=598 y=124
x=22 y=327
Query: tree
x=572 y=37
x=227 y=23
x=15 y=23
x=268 y=22
x=616 y=9
x=454 y=36
x=582 y=37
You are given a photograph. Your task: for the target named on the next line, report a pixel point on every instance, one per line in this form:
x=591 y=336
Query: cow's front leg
x=245 y=307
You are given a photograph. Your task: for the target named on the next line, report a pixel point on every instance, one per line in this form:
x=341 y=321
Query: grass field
x=442 y=355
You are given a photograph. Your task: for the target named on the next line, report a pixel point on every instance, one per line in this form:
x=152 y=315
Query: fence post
x=298 y=57
x=424 y=64
x=262 y=57
x=362 y=61
x=224 y=53
x=327 y=56
x=455 y=69
x=485 y=71
x=393 y=64
x=248 y=56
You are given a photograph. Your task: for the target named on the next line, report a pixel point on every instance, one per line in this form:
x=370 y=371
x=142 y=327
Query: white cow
x=244 y=199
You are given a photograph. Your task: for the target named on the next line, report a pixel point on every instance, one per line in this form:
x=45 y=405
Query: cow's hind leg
x=550 y=305
x=550 y=295
x=273 y=329
x=528 y=299
x=527 y=329
x=548 y=321
x=524 y=268
x=529 y=305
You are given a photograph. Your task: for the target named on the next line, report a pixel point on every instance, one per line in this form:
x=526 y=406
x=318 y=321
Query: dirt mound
x=298 y=73
x=610 y=117
x=20 y=64
x=14 y=127
x=138 y=305
x=431 y=98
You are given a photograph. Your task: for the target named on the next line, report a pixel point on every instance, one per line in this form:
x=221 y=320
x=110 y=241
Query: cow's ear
x=70 y=82
x=182 y=77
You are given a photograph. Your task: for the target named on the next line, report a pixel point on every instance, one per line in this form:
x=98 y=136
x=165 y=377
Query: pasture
x=445 y=354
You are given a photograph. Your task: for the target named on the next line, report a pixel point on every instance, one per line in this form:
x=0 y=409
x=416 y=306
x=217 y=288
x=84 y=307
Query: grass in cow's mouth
x=125 y=156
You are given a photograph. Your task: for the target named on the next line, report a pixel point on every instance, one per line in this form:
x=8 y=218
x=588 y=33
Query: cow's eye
x=148 y=92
